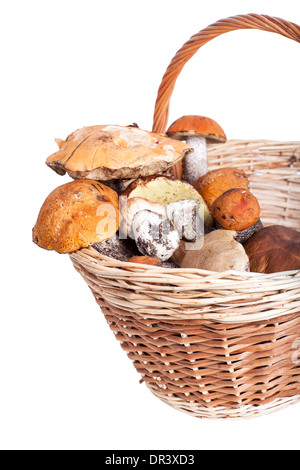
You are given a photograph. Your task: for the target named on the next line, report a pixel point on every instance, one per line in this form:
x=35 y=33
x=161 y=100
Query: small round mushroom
x=216 y=182
x=196 y=131
x=238 y=209
x=155 y=235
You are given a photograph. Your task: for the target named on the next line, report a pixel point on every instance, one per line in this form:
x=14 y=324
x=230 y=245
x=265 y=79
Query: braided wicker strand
x=252 y=21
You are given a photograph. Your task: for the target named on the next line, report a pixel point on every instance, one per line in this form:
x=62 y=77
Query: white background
x=65 y=381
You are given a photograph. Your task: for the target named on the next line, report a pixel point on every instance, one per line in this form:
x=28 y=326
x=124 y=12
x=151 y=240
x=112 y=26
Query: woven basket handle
x=252 y=21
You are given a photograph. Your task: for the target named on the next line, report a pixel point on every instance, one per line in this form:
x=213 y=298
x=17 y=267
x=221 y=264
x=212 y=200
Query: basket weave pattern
x=273 y=169
x=213 y=344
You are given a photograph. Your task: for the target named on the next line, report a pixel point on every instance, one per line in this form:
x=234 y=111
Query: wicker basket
x=215 y=345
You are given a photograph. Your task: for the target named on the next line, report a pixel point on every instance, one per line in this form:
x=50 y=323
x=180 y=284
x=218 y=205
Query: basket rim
x=108 y=262
x=170 y=294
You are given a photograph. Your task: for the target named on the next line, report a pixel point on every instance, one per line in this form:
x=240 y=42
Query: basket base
x=244 y=412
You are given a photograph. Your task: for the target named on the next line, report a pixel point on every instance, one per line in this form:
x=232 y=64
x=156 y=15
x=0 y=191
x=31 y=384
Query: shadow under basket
x=214 y=345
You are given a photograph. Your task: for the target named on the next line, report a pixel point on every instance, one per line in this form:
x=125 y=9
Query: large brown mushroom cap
x=76 y=215
x=274 y=249
x=115 y=152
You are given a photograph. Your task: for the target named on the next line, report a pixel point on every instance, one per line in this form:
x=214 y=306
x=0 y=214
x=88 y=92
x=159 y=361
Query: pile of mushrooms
x=121 y=202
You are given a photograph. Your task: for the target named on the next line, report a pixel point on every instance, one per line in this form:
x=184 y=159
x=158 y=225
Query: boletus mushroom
x=216 y=182
x=163 y=190
x=182 y=216
x=217 y=251
x=106 y=153
x=154 y=235
x=196 y=131
x=237 y=209
x=77 y=215
x=274 y=249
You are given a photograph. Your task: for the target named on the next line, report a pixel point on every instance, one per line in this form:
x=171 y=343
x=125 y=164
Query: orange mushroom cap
x=236 y=209
x=193 y=125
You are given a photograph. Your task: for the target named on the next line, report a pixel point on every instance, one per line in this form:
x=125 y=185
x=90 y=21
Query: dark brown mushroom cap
x=274 y=249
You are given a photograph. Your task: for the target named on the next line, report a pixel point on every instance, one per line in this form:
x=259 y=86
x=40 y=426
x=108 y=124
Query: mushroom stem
x=155 y=235
x=196 y=162
x=185 y=216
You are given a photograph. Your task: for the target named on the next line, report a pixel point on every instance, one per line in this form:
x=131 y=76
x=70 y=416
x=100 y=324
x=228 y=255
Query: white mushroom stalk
x=196 y=162
x=155 y=235
x=185 y=216
x=195 y=130
x=130 y=207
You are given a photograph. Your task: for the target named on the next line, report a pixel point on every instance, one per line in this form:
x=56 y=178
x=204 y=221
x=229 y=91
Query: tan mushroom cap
x=218 y=251
x=115 y=152
x=193 y=125
x=76 y=215
x=163 y=190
